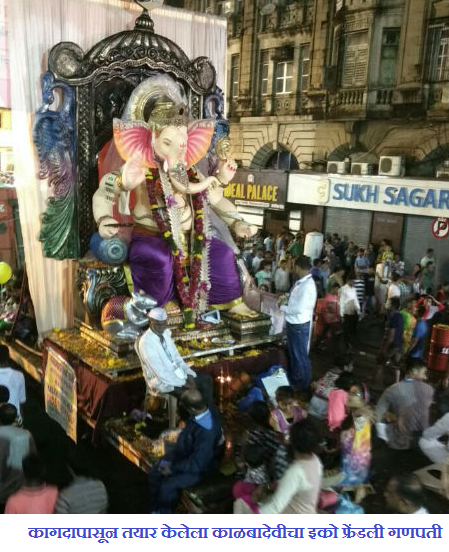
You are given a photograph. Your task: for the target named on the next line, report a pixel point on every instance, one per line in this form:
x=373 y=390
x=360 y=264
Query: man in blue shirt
x=197 y=453
x=418 y=341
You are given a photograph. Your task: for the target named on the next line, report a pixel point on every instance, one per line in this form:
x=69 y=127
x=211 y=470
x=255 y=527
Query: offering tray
x=246 y=343
x=94 y=355
x=243 y=327
x=218 y=330
x=116 y=346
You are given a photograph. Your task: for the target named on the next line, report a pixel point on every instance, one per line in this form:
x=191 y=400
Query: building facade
x=314 y=81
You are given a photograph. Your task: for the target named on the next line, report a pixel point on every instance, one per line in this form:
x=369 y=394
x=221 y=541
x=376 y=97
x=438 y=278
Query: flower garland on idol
x=191 y=290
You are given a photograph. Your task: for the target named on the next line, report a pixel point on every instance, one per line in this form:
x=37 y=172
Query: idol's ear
x=133 y=137
x=199 y=136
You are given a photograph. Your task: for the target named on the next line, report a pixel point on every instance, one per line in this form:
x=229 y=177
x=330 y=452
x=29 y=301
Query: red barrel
x=439 y=348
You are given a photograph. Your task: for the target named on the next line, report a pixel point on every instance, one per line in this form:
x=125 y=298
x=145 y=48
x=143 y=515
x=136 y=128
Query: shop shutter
x=418 y=238
x=351 y=224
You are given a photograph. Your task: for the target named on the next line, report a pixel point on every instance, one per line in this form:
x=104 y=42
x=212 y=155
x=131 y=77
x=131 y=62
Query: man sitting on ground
x=405 y=405
x=404 y=494
x=196 y=454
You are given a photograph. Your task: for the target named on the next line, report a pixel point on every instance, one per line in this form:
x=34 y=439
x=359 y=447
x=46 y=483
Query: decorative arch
x=261 y=159
x=346 y=150
x=428 y=165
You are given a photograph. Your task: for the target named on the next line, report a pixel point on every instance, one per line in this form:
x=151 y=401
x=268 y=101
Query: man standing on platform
x=299 y=317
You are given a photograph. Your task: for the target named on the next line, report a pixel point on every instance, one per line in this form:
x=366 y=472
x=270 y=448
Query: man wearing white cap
x=163 y=368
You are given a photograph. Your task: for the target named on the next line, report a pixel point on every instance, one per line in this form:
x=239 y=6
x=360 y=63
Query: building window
x=295 y=221
x=282 y=160
x=355 y=59
x=389 y=57
x=224 y=8
x=235 y=66
x=284 y=77
x=304 y=67
x=438 y=52
x=263 y=72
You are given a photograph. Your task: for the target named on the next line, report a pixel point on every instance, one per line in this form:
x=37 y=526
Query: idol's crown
x=166 y=113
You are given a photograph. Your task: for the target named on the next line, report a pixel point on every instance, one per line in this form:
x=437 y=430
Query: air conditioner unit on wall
x=362 y=168
x=391 y=165
x=337 y=167
x=443 y=170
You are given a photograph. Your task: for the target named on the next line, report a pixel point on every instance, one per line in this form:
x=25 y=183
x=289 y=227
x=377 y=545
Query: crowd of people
x=327 y=299
x=23 y=487
x=299 y=451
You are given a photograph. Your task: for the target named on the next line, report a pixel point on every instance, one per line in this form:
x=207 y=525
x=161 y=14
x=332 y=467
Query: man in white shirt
x=14 y=380
x=429 y=442
x=268 y=242
x=349 y=309
x=257 y=260
x=427 y=258
x=404 y=494
x=282 y=278
x=393 y=289
x=299 y=317
x=163 y=368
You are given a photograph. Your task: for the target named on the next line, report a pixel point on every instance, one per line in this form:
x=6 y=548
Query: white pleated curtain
x=34 y=26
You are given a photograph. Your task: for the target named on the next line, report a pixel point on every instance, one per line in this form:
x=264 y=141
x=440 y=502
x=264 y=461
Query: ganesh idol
x=181 y=246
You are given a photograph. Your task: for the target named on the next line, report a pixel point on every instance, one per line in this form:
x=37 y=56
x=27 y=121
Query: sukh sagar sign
x=267 y=189
x=421 y=197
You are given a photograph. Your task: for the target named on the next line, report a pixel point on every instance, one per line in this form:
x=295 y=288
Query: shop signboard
x=60 y=392
x=264 y=188
x=372 y=193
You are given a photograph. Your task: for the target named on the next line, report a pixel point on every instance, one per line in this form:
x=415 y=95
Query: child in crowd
x=319 y=402
x=255 y=469
x=264 y=276
x=282 y=278
x=338 y=398
x=287 y=411
x=355 y=441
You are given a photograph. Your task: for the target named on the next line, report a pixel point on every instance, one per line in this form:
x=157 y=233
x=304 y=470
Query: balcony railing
x=384 y=96
x=355 y=97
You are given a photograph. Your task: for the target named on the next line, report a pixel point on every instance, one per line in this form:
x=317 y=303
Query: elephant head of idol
x=156 y=127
